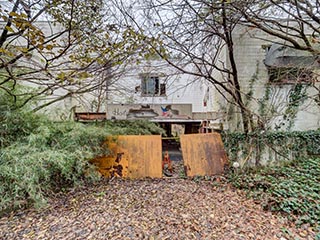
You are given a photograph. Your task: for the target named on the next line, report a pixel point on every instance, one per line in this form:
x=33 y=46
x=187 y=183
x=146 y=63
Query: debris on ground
x=152 y=209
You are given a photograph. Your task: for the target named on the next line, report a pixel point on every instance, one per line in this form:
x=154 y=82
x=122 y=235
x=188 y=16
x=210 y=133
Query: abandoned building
x=269 y=73
x=274 y=74
x=153 y=90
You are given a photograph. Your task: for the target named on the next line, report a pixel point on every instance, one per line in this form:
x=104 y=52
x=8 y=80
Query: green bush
x=38 y=156
x=138 y=127
x=15 y=125
x=292 y=188
x=15 y=122
x=55 y=155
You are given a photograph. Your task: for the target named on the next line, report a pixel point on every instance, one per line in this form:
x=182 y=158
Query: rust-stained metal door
x=203 y=154
x=132 y=157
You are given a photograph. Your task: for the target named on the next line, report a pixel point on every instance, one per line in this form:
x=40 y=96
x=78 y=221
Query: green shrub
x=38 y=156
x=15 y=122
x=55 y=155
x=138 y=127
x=15 y=125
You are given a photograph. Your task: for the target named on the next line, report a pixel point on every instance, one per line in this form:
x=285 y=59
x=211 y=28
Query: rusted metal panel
x=115 y=164
x=90 y=116
x=203 y=154
x=132 y=157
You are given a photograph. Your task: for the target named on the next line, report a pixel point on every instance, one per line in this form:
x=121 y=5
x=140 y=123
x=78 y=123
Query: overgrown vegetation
x=51 y=157
x=38 y=156
x=292 y=188
x=271 y=147
x=290 y=182
x=126 y=127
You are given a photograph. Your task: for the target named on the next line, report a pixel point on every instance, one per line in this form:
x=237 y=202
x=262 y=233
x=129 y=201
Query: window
x=151 y=86
x=289 y=75
x=289 y=65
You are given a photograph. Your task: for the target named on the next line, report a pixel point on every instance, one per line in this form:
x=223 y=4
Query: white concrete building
x=284 y=94
x=155 y=90
x=155 y=83
x=284 y=82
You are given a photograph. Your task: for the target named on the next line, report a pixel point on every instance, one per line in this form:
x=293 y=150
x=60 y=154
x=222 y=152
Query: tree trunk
x=234 y=72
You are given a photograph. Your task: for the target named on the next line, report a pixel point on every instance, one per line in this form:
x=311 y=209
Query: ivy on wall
x=296 y=98
x=275 y=145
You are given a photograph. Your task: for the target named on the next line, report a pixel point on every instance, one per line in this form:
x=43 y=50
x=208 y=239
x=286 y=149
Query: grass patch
x=292 y=188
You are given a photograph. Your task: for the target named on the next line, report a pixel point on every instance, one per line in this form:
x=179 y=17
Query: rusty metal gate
x=141 y=156
x=203 y=154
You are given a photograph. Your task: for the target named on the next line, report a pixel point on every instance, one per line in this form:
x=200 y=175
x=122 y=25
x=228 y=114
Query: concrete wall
x=127 y=111
x=250 y=52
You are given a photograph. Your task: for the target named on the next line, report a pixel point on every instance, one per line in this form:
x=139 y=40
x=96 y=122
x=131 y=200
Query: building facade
x=280 y=86
x=282 y=83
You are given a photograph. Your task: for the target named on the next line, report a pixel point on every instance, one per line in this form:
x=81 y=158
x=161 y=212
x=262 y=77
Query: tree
x=198 y=38
x=193 y=36
x=293 y=22
x=62 y=48
x=293 y=27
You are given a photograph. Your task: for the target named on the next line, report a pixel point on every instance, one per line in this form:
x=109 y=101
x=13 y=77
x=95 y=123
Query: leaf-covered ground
x=151 y=209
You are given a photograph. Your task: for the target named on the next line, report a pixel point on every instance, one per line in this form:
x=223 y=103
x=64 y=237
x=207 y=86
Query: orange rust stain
x=203 y=154
x=132 y=157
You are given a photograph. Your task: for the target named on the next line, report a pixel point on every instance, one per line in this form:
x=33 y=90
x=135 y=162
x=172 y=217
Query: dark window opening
x=162 y=89
x=290 y=75
x=151 y=86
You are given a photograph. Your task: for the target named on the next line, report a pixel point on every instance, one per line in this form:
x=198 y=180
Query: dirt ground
x=151 y=209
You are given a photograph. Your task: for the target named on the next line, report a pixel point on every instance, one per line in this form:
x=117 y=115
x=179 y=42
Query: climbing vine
x=254 y=78
x=296 y=97
x=265 y=100
x=266 y=147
